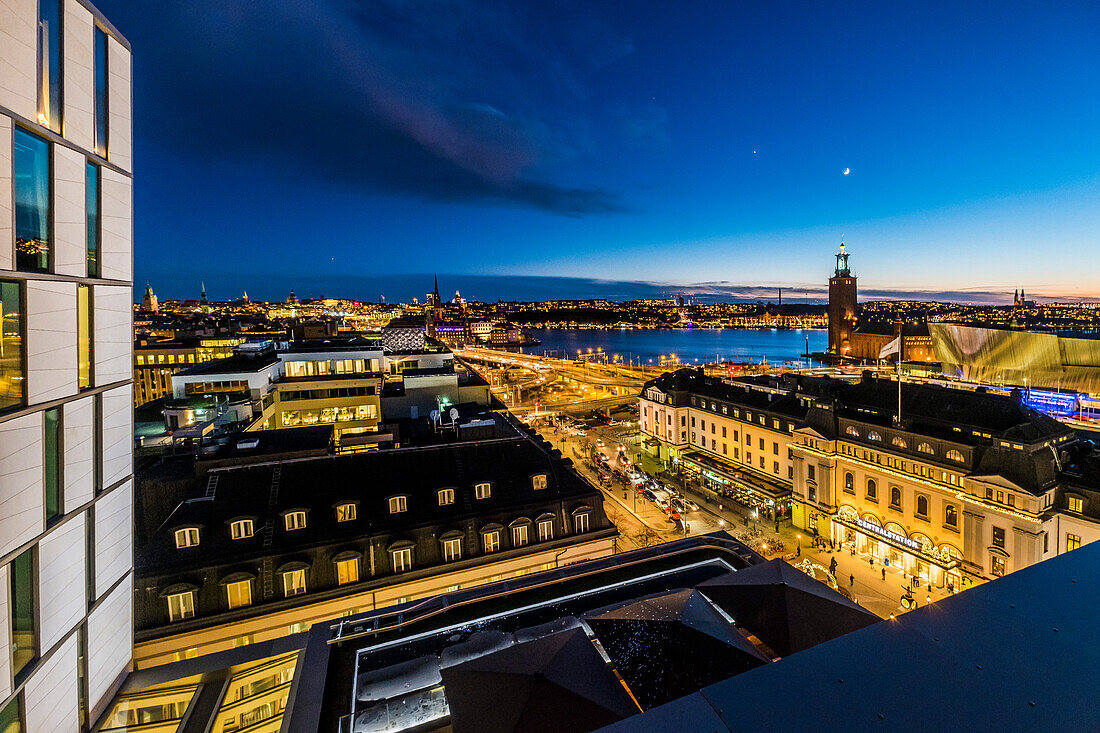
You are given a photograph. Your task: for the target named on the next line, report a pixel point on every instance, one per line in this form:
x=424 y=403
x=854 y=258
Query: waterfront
x=690 y=345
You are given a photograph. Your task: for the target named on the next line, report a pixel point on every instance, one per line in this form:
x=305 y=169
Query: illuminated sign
x=1052 y=403
x=888 y=535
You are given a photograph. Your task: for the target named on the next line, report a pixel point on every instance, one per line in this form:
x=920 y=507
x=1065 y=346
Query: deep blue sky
x=327 y=145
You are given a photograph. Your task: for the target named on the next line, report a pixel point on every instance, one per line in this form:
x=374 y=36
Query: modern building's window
x=519 y=535
x=49 y=64
x=345 y=512
x=294 y=582
x=181 y=605
x=482 y=491
x=538 y=482
x=101 y=110
x=895 y=497
x=951 y=516
x=239 y=594
x=94 y=234
x=97 y=442
x=294 y=520
x=452 y=549
x=1075 y=504
x=1073 y=541
x=546 y=530
x=490 y=541
x=81 y=676
x=849 y=483
x=33 y=194
x=347 y=571
x=23 y=604
x=580 y=523
x=84 y=336
x=187 y=537
x=398 y=504
x=999 y=537
x=872 y=490
x=11 y=716
x=402 y=559
x=53 y=462
x=241 y=529
x=446 y=497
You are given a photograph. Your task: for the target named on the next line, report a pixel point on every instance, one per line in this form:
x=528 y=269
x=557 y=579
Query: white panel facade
x=5 y=635
x=114 y=547
x=22 y=513
x=70 y=225
x=110 y=640
x=51 y=696
x=7 y=233
x=117 y=244
x=51 y=340
x=78 y=87
x=19 y=56
x=79 y=453
x=113 y=333
x=118 y=434
x=119 y=135
x=61 y=581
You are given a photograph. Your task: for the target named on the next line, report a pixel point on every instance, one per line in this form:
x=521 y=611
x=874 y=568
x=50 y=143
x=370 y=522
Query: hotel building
x=66 y=620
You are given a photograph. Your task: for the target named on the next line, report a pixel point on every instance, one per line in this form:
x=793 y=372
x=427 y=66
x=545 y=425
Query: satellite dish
x=454 y=414
x=435 y=415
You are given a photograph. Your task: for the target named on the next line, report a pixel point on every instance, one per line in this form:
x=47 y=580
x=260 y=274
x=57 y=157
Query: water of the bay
x=690 y=345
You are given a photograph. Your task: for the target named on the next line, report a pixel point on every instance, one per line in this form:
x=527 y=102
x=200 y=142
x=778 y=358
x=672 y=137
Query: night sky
x=618 y=148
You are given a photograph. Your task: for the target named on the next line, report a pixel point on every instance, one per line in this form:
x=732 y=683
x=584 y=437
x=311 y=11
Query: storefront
x=914 y=553
x=727 y=483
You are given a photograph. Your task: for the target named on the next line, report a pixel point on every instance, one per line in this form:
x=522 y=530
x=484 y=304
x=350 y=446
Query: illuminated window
x=997 y=565
x=402 y=559
x=1073 y=541
x=538 y=482
x=490 y=541
x=999 y=537
x=294 y=520
x=1075 y=504
x=546 y=530
x=49 y=64
x=347 y=571
x=239 y=594
x=181 y=605
x=452 y=549
x=446 y=497
x=187 y=537
x=951 y=516
x=345 y=512
x=482 y=491
x=926 y=448
x=851 y=430
x=954 y=455
x=849 y=483
x=580 y=523
x=519 y=535
x=240 y=529
x=895 y=497
x=873 y=436
x=294 y=582
x=398 y=504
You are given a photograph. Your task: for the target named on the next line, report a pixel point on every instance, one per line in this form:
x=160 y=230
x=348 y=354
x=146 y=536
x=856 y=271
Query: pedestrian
x=799 y=551
x=777 y=527
x=871 y=560
x=746 y=518
x=884 y=573
x=851 y=580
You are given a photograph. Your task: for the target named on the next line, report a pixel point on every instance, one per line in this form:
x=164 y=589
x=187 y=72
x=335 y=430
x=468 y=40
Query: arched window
x=954 y=455
x=873 y=436
x=872 y=489
x=899 y=442
x=922 y=506
x=851 y=430
x=187 y=537
x=926 y=448
x=847 y=513
x=849 y=483
x=951 y=516
x=895 y=497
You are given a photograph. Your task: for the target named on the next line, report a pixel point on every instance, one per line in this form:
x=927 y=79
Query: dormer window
x=538 y=481
x=446 y=497
x=899 y=442
x=926 y=448
x=954 y=455
x=187 y=537
x=345 y=512
x=241 y=529
x=398 y=504
x=294 y=520
x=482 y=490
x=850 y=430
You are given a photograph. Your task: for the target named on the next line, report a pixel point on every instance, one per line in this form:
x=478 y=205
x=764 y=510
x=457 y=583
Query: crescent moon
x=847 y=171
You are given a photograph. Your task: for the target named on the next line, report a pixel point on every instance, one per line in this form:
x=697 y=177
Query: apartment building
x=66 y=620
x=155 y=362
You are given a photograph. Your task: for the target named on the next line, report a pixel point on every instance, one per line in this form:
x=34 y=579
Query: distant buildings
x=66 y=420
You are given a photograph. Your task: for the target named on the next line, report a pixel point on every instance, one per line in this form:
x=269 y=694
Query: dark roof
x=741 y=392
x=236 y=364
x=999 y=656
x=317 y=485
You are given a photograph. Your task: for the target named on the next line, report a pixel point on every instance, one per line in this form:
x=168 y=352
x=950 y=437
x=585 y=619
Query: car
x=649 y=495
x=662 y=503
x=599 y=442
x=691 y=505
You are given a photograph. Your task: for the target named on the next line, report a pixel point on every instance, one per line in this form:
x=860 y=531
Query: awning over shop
x=737 y=477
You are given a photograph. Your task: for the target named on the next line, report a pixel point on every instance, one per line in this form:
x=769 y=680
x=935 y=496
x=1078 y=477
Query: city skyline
x=682 y=145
